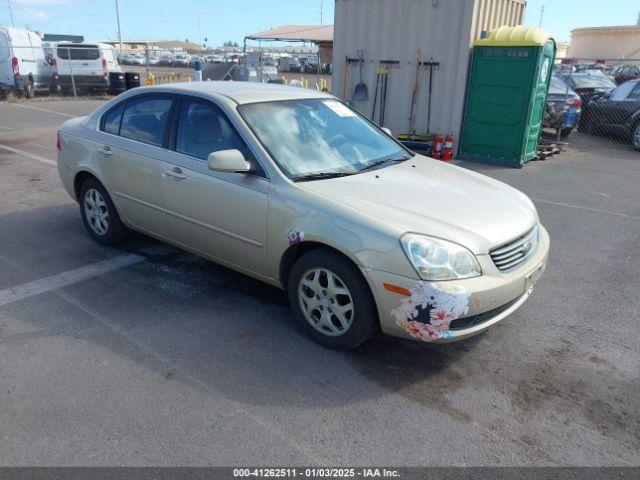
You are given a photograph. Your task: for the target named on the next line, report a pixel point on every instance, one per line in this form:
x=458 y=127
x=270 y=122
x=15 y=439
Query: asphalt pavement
x=146 y=355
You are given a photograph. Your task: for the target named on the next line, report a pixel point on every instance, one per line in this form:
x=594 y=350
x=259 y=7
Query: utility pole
x=638 y=22
x=321 y=8
x=11 y=13
x=541 y=15
x=199 y=31
x=119 y=31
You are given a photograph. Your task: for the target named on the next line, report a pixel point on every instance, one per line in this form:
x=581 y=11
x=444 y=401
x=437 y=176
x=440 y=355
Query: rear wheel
x=565 y=132
x=332 y=301
x=636 y=137
x=99 y=215
x=29 y=89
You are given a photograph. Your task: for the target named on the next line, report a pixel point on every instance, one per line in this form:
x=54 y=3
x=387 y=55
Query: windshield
x=593 y=81
x=557 y=85
x=319 y=136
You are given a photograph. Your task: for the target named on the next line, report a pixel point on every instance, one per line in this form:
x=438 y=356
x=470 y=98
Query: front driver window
x=203 y=128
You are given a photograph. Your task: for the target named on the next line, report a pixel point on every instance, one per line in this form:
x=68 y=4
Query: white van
x=89 y=63
x=24 y=65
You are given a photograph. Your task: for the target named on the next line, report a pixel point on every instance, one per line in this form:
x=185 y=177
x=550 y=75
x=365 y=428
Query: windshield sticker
x=295 y=236
x=429 y=311
x=339 y=108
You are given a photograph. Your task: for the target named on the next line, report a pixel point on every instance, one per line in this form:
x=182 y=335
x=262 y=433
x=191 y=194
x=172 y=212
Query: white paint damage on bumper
x=479 y=295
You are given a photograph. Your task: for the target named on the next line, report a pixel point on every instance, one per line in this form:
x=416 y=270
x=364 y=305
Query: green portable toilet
x=508 y=84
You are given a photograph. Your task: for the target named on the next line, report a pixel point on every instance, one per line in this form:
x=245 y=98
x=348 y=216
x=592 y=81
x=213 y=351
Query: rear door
x=130 y=156
x=609 y=111
x=80 y=59
x=625 y=109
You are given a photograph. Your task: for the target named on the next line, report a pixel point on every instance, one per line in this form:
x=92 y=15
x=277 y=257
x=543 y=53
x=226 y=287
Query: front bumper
x=444 y=312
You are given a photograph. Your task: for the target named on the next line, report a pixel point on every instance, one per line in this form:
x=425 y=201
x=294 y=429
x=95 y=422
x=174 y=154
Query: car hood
x=426 y=196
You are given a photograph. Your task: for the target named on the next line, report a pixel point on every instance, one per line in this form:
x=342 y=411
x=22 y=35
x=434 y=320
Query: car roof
x=241 y=92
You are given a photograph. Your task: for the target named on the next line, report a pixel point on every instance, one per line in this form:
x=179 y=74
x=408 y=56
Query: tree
x=230 y=43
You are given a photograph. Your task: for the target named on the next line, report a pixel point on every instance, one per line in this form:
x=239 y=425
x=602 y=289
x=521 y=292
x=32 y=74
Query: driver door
x=220 y=215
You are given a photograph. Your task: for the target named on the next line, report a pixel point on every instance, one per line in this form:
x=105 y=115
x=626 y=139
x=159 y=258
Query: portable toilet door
x=540 y=90
x=508 y=83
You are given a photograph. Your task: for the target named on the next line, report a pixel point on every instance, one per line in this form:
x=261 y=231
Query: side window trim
x=261 y=172
x=103 y=119
x=124 y=103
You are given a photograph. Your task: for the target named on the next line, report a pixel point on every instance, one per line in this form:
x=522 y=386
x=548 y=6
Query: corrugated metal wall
x=491 y=14
x=393 y=30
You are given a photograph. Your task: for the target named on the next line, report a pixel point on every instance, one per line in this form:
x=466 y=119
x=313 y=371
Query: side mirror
x=387 y=131
x=230 y=161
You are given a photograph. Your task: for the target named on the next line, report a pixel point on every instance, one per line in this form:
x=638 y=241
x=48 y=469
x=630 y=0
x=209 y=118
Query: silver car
x=293 y=187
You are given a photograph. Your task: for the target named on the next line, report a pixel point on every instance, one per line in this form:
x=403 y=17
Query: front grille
x=514 y=253
x=468 y=322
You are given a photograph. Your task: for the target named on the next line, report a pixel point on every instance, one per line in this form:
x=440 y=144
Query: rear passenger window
x=144 y=119
x=111 y=121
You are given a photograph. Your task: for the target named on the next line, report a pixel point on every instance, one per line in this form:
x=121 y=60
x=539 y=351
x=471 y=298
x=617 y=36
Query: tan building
x=602 y=43
x=443 y=31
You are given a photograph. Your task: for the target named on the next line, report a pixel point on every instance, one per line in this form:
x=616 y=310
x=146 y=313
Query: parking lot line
x=30 y=155
x=31 y=107
x=588 y=209
x=46 y=284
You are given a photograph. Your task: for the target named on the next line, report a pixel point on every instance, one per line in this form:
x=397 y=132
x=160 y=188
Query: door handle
x=106 y=151
x=176 y=173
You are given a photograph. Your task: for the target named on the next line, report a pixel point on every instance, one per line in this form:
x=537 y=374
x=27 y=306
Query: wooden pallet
x=547 y=150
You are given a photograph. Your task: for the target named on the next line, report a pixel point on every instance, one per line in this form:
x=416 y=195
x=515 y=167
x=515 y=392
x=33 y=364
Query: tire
x=29 y=89
x=585 y=125
x=104 y=226
x=357 y=307
x=635 y=137
x=565 y=132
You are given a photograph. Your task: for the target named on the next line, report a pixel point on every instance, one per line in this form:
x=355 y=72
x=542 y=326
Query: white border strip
x=47 y=284
x=30 y=155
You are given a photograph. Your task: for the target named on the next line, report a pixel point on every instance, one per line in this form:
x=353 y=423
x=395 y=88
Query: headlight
x=436 y=259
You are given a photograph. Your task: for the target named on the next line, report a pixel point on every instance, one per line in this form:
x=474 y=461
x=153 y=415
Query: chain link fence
x=82 y=69
x=594 y=100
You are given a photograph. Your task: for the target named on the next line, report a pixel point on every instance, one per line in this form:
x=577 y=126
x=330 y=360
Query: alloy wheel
x=326 y=302
x=636 y=137
x=96 y=211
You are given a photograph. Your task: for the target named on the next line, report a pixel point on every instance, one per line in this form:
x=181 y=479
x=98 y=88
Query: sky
x=222 y=20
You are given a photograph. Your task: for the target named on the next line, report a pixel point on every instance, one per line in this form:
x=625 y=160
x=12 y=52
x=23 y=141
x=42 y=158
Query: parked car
x=166 y=59
x=595 y=67
x=289 y=65
x=362 y=233
x=25 y=66
x=616 y=112
x=89 y=63
x=137 y=59
x=181 y=59
x=625 y=73
x=154 y=59
x=563 y=107
x=310 y=65
x=587 y=84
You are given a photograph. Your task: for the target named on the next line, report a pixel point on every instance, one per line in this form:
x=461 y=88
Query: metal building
x=443 y=30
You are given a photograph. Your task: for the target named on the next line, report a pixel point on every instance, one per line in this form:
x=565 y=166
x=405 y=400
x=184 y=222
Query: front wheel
x=636 y=137
x=99 y=215
x=332 y=301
